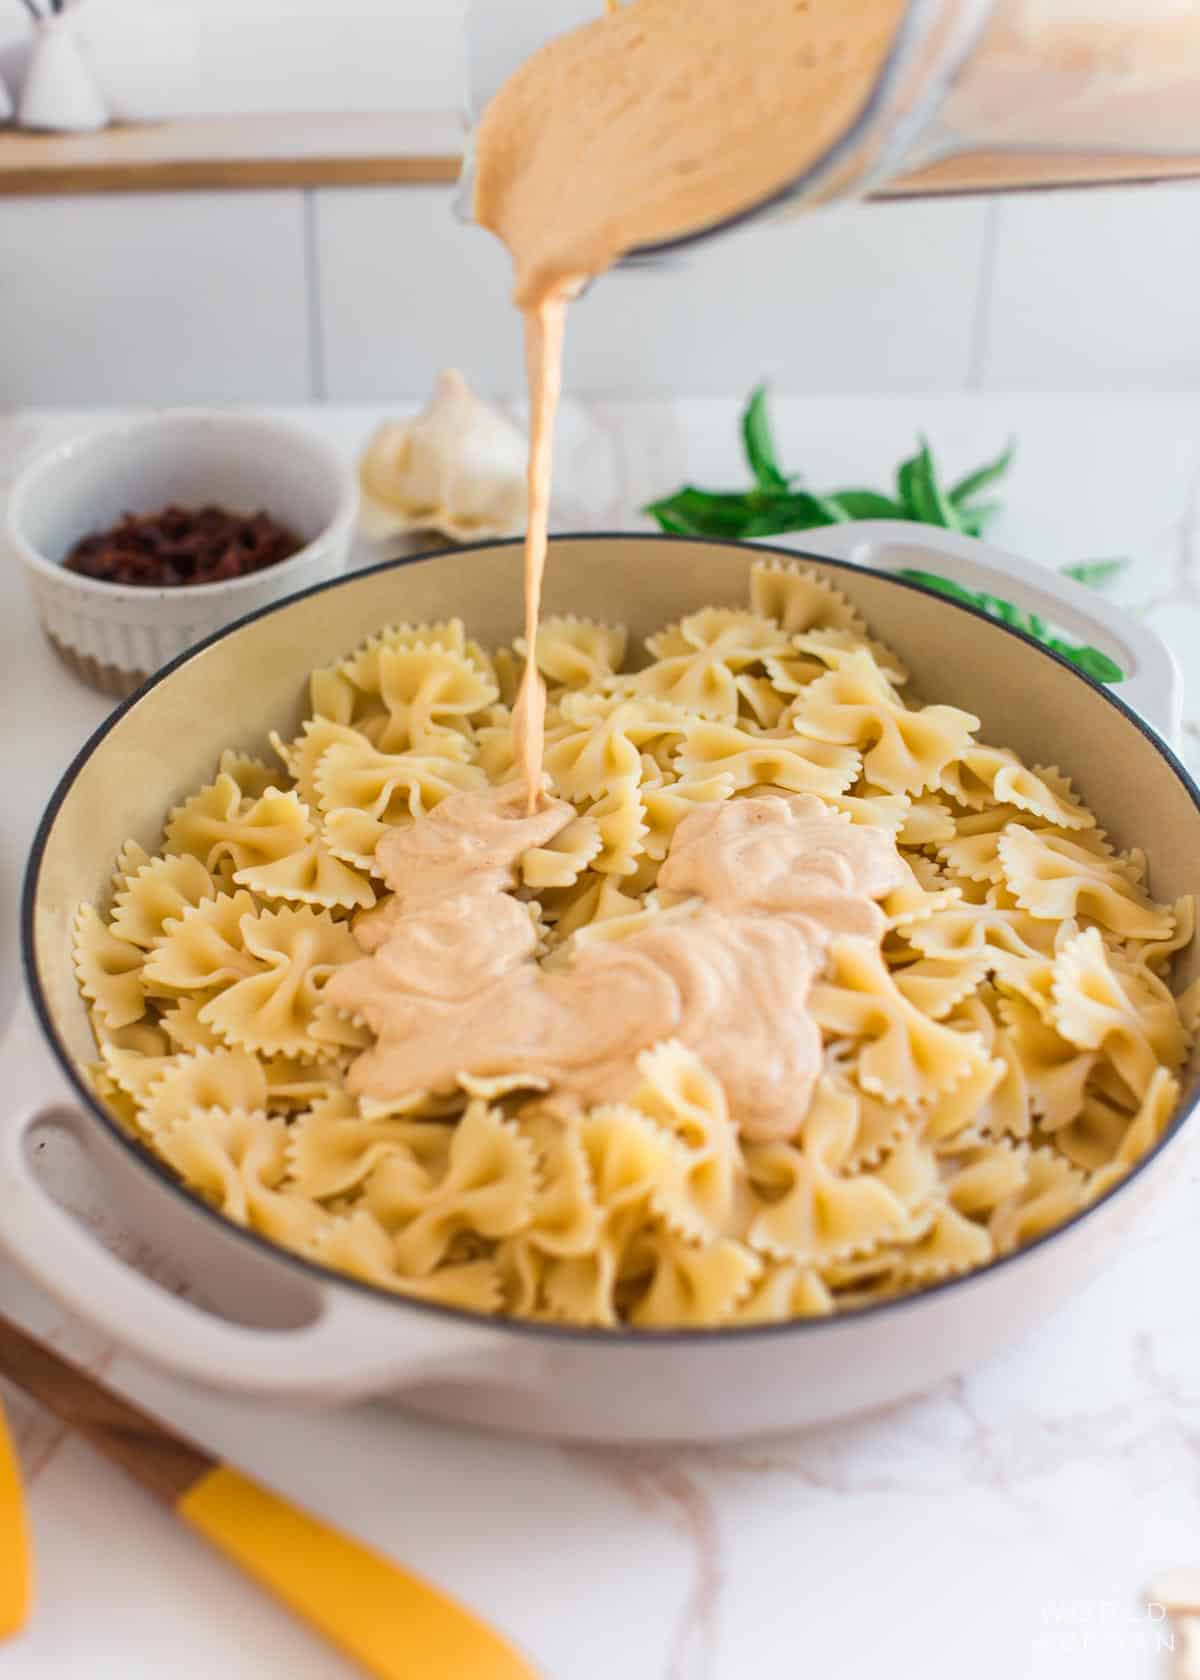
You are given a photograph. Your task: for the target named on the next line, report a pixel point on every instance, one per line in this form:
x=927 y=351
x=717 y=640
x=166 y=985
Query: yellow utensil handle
x=393 y=1624
x=16 y=1553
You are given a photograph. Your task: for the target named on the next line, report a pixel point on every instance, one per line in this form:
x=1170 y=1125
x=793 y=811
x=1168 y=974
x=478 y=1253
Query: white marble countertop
x=1004 y=1525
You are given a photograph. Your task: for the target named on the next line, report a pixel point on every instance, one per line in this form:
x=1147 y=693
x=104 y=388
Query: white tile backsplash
x=1095 y=290
x=849 y=299
x=364 y=293
x=176 y=297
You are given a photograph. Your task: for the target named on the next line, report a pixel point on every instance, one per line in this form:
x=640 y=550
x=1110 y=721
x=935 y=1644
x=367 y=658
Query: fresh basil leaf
x=982 y=477
x=944 y=510
x=759 y=443
x=791 y=510
x=910 y=491
x=1001 y=609
x=869 y=504
x=1095 y=573
x=1091 y=661
x=976 y=520
x=703 y=513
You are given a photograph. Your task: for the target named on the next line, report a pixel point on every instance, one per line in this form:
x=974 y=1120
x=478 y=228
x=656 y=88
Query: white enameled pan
x=272 y=1323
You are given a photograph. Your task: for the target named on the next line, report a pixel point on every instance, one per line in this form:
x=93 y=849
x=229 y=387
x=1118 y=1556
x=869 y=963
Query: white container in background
x=60 y=92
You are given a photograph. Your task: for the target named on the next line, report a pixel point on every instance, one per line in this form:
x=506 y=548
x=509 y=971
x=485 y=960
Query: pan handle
x=350 y=1348
x=1152 y=687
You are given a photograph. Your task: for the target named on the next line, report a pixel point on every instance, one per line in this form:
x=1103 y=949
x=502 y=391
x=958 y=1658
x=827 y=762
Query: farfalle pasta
x=999 y=1042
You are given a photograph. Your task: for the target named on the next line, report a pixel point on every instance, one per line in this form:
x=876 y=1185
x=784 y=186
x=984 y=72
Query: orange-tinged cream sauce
x=452 y=986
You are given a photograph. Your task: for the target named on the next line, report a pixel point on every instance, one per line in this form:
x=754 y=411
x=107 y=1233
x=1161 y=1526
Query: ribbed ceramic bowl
x=288 y=1327
x=114 y=636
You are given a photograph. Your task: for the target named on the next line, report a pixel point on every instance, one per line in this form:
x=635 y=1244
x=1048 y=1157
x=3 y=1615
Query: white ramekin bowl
x=115 y=635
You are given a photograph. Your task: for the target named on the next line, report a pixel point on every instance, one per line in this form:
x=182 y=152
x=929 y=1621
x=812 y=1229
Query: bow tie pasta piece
x=133 y=1073
x=388 y=787
x=1055 y=1070
x=577 y=652
x=598 y=746
x=254 y=776
x=1059 y=880
x=203 y=949
x=758 y=701
x=903 y=751
x=808 y=1216
x=693 y=1286
x=362 y=666
x=799 y=599
x=957 y=930
x=205 y=1080
x=562 y=860
x=833 y=648
x=487 y=1189
x=310 y=876
x=666 y=806
x=291 y=953
x=830 y=1129
x=303 y=755
x=621 y=827
x=907 y=1059
x=783 y=1292
x=594 y=1289
x=926 y=821
x=218 y=823
x=108 y=969
x=1157 y=955
x=699 y=683
x=987 y=776
x=236 y=1162
x=565 y=1217
x=157 y=895
x=972 y=853
x=1128 y=1016
x=951 y=1246
x=937 y=985
x=146 y=1036
x=1052 y=1193
x=700 y=1194
x=741 y=638
x=994 y=1101
x=359 y=1245
x=130 y=859
x=788 y=762
x=429 y=694
x=1146 y=1128
x=914 y=902
x=333 y=1148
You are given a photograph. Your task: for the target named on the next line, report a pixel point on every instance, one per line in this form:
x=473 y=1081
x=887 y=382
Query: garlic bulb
x=458 y=468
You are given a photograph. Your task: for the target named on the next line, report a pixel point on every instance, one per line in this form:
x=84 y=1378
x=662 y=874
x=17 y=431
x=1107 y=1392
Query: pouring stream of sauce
x=659 y=118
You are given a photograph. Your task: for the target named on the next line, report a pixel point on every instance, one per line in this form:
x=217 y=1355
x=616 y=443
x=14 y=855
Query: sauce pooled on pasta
x=453 y=987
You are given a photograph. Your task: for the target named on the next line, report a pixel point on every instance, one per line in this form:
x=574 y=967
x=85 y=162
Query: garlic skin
x=458 y=468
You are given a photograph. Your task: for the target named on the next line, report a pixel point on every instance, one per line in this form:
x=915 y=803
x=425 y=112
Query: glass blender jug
x=1109 y=78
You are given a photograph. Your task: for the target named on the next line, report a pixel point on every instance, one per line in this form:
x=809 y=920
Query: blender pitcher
x=1115 y=78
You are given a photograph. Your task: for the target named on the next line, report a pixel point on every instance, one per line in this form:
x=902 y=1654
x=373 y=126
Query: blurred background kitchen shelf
x=291 y=258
